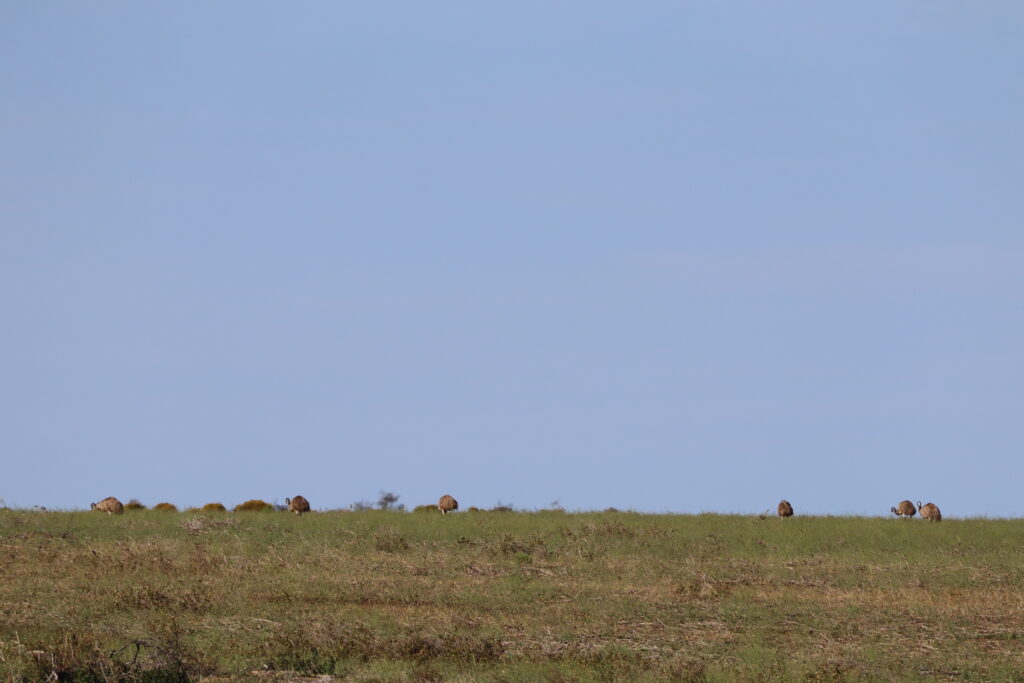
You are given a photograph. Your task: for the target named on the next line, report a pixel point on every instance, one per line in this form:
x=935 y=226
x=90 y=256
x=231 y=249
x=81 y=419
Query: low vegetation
x=254 y=506
x=381 y=595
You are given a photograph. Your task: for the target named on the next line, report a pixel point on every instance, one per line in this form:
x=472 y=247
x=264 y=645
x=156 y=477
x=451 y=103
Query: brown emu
x=298 y=505
x=905 y=509
x=929 y=511
x=785 y=509
x=447 y=504
x=111 y=505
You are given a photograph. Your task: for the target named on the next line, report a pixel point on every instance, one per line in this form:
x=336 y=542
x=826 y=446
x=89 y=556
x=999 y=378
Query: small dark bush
x=214 y=507
x=254 y=505
x=388 y=501
x=134 y=504
x=425 y=508
x=166 y=507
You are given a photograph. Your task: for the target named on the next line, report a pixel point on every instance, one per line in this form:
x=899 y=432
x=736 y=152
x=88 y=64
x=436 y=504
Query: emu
x=111 y=505
x=447 y=504
x=298 y=505
x=785 y=509
x=929 y=511
x=905 y=509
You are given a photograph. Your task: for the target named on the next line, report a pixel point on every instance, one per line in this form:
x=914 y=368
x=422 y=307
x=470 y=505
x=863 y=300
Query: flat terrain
x=507 y=596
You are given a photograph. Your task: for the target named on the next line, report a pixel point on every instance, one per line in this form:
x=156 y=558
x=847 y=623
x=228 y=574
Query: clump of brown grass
x=214 y=507
x=254 y=505
x=166 y=507
x=198 y=525
x=388 y=540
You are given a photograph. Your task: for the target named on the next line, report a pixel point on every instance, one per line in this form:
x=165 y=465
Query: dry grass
x=484 y=596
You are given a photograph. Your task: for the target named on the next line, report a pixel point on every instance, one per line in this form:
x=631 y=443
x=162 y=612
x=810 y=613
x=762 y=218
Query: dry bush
x=254 y=505
x=166 y=507
x=133 y=504
x=214 y=507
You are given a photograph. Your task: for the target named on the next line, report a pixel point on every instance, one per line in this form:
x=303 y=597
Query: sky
x=660 y=256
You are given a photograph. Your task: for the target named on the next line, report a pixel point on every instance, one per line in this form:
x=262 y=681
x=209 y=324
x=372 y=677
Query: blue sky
x=662 y=256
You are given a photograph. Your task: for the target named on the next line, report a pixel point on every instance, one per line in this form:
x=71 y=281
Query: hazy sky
x=665 y=256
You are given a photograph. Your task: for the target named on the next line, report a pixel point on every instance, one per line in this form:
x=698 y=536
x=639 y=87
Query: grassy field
x=507 y=596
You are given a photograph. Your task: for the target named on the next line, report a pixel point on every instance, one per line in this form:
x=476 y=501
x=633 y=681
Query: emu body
x=905 y=509
x=298 y=505
x=111 y=505
x=785 y=509
x=929 y=511
x=446 y=504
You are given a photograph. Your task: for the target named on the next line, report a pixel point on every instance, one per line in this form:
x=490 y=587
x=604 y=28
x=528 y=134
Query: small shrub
x=254 y=505
x=425 y=508
x=214 y=507
x=133 y=504
x=165 y=507
x=501 y=508
x=388 y=501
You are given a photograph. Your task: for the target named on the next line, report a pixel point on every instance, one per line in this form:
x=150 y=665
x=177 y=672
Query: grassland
x=507 y=596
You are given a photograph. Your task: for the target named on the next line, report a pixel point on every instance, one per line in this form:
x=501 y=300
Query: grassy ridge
x=496 y=596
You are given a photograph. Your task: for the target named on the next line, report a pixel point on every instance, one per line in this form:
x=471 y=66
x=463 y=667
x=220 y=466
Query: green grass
x=508 y=597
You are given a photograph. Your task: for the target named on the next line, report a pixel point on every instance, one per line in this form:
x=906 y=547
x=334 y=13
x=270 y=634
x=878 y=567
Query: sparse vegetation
x=511 y=597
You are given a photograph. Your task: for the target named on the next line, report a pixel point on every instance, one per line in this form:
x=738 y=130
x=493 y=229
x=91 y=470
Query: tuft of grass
x=388 y=540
